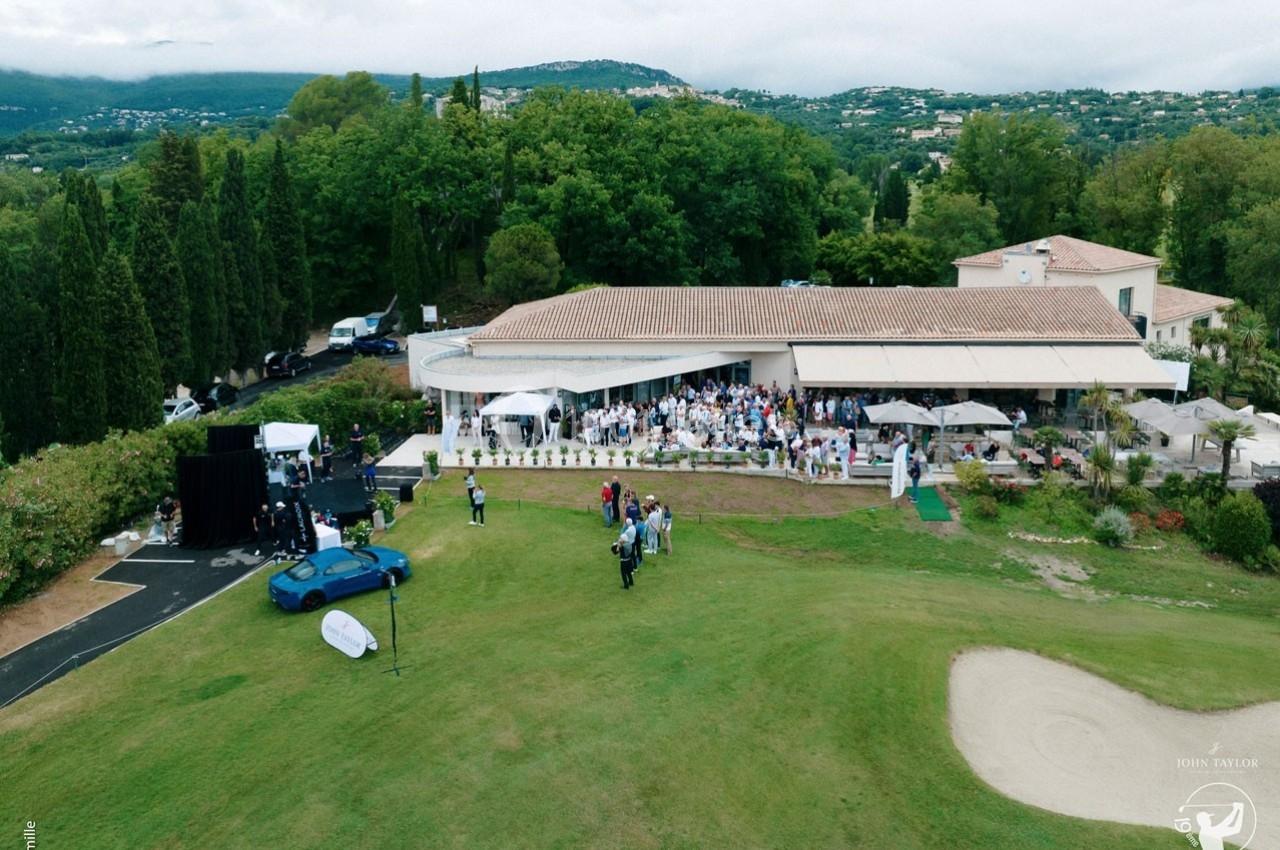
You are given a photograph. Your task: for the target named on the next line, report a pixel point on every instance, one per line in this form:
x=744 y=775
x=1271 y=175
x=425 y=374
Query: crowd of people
x=645 y=526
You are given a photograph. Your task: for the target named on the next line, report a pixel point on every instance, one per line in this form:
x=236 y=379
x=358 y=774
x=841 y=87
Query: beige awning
x=1012 y=366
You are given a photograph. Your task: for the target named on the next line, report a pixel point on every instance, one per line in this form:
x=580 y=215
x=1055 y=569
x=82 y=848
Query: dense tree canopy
x=523 y=263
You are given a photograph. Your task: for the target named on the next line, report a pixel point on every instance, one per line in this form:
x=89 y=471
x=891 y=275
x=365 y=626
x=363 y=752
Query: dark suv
x=288 y=363
x=215 y=396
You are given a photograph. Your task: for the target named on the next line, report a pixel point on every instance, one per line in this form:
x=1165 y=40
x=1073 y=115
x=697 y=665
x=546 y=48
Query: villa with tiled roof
x=1127 y=280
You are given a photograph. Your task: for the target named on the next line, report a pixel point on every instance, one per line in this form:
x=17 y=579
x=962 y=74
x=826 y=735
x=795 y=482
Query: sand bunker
x=1051 y=735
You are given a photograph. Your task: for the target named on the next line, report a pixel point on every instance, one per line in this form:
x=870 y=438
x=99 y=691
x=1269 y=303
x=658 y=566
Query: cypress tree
x=164 y=291
x=475 y=88
x=80 y=388
x=176 y=177
x=507 y=194
x=283 y=231
x=414 y=101
x=245 y=296
x=406 y=269
x=272 y=304
x=459 y=94
x=137 y=389
x=216 y=325
x=94 y=216
x=235 y=300
x=896 y=200
x=26 y=352
x=120 y=218
x=199 y=266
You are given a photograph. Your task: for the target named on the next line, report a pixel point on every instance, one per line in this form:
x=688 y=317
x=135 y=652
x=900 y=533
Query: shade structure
x=899 y=413
x=1180 y=423
x=968 y=413
x=521 y=404
x=996 y=366
x=285 y=437
x=1147 y=410
x=1212 y=408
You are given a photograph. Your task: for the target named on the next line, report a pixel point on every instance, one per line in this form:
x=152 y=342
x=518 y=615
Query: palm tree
x=1098 y=401
x=1102 y=465
x=1225 y=432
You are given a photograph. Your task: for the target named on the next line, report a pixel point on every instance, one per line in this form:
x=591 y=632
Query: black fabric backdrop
x=230 y=438
x=220 y=493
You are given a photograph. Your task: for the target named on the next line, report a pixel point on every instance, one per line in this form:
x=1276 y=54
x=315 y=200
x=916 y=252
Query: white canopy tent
x=521 y=404
x=287 y=437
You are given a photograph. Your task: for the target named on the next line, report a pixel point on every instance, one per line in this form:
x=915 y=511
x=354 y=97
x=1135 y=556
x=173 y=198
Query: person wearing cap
x=284 y=537
x=626 y=562
x=653 y=526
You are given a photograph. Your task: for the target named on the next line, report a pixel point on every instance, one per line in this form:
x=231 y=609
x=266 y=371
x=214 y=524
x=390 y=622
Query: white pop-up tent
x=521 y=404
x=287 y=437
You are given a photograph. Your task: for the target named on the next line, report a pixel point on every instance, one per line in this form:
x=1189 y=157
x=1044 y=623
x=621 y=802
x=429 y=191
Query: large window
x=1126 y=301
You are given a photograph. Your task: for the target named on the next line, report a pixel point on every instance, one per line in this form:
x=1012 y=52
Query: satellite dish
x=1024 y=276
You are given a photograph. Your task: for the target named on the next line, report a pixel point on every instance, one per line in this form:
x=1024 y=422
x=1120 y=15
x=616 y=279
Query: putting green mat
x=931 y=506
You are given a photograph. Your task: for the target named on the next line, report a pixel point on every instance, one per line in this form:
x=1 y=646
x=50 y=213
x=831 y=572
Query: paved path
x=172 y=579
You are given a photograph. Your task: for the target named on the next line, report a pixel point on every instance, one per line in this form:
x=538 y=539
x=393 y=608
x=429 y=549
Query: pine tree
x=94 y=216
x=80 y=387
x=475 y=88
x=164 y=291
x=414 y=101
x=282 y=230
x=26 y=350
x=199 y=267
x=136 y=387
x=407 y=250
x=176 y=177
x=459 y=94
x=244 y=293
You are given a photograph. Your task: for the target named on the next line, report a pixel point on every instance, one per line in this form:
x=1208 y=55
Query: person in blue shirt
x=370 y=473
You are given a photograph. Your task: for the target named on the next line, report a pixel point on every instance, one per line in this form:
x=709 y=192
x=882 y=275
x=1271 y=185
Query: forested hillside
x=212 y=248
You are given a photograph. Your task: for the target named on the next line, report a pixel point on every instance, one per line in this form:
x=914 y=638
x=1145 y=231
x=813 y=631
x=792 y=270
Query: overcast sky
x=812 y=48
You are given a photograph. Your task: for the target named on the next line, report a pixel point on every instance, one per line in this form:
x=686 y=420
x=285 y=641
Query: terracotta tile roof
x=1174 y=303
x=1048 y=313
x=1066 y=253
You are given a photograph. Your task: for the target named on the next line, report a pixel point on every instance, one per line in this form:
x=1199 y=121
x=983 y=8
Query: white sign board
x=430 y=315
x=346 y=634
x=1180 y=372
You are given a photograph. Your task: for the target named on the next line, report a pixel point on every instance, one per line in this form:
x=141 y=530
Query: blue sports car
x=333 y=573
x=374 y=345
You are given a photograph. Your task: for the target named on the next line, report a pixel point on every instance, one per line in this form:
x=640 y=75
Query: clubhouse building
x=1000 y=344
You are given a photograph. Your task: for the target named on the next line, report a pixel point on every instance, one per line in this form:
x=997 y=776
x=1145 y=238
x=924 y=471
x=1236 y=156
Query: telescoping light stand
x=392 y=598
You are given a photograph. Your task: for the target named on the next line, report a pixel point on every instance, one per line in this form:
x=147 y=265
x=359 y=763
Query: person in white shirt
x=476 y=429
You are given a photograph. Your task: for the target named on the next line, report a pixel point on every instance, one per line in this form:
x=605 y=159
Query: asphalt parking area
x=172 y=579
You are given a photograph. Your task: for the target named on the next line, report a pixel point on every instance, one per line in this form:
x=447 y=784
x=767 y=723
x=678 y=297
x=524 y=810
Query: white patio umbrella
x=1147 y=409
x=1181 y=421
x=899 y=413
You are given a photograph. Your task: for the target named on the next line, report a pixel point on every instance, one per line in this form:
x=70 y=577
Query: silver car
x=180 y=410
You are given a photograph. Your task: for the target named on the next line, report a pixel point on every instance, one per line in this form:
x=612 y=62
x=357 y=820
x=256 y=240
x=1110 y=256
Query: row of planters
x=574 y=456
x=1243 y=526
x=57 y=504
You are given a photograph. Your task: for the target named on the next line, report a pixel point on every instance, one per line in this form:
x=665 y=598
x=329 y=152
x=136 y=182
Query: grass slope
x=777 y=682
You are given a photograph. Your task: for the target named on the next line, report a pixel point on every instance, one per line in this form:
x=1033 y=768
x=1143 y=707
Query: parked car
x=375 y=345
x=180 y=410
x=216 y=396
x=289 y=363
x=334 y=573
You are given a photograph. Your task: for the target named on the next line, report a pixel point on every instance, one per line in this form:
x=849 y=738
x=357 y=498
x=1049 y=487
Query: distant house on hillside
x=1127 y=279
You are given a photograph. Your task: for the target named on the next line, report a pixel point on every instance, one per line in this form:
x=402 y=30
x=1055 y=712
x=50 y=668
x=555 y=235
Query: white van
x=343 y=333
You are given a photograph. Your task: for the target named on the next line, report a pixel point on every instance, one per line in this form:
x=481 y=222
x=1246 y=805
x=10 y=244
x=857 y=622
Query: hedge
x=57 y=504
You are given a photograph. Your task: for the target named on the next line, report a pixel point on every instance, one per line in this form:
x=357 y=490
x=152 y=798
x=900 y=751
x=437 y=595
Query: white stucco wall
x=1178 y=332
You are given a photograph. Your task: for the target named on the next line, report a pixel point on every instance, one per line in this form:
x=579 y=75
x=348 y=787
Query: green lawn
x=776 y=683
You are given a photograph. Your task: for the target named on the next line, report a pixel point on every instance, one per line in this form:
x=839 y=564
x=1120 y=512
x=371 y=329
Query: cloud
x=812 y=48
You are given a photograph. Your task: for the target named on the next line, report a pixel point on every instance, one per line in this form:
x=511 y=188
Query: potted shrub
x=520 y=457
x=762 y=458
x=493 y=457
x=546 y=458
x=612 y=453
x=361 y=532
x=577 y=456
x=627 y=455
x=564 y=456
x=461 y=455
x=386 y=503
x=534 y=453
x=506 y=456
x=431 y=460
x=693 y=459
x=592 y=453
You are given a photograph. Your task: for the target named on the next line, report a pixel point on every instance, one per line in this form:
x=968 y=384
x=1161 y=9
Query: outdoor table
x=1033 y=457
